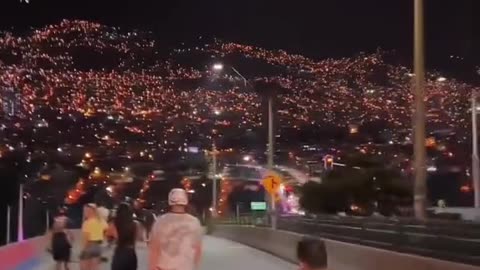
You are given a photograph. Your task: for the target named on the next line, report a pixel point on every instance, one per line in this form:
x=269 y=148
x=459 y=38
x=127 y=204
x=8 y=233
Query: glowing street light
x=441 y=79
x=353 y=129
x=218 y=67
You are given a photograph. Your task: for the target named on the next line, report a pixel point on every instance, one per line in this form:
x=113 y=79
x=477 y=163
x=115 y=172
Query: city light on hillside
x=224 y=114
x=441 y=79
x=353 y=129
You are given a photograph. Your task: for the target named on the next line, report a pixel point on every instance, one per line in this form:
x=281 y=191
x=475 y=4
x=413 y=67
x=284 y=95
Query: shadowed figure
x=312 y=254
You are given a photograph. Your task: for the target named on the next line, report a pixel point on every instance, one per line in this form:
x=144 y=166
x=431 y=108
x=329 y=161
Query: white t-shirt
x=103 y=213
x=61 y=221
x=176 y=236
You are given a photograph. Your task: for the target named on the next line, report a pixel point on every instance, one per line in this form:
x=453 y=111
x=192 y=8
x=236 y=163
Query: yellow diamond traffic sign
x=272 y=183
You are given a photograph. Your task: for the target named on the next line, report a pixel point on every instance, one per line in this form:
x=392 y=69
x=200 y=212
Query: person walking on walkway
x=93 y=230
x=176 y=237
x=124 y=231
x=61 y=244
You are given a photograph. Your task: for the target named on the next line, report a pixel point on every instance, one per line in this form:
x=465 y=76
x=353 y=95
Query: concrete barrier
x=341 y=256
x=467 y=213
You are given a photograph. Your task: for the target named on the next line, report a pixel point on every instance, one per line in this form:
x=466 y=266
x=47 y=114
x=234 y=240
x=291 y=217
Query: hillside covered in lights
x=84 y=68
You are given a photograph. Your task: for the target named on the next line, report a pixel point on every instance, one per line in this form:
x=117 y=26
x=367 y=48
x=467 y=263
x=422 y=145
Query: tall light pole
x=419 y=119
x=270 y=156
x=20 y=214
x=214 y=179
x=245 y=81
x=270 y=150
x=8 y=223
x=475 y=161
x=219 y=67
x=270 y=134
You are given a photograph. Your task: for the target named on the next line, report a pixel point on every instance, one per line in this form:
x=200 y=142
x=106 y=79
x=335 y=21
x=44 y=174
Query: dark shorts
x=124 y=258
x=61 y=247
x=92 y=250
x=62 y=255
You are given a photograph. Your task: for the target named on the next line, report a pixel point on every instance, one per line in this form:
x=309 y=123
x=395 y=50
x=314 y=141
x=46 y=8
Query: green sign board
x=258 y=206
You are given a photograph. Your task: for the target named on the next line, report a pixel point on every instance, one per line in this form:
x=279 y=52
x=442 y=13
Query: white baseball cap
x=177 y=196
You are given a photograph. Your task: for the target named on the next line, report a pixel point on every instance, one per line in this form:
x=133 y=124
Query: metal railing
x=452 y=241
x=252 y=220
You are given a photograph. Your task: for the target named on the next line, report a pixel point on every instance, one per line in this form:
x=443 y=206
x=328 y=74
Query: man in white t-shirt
x=176 y=237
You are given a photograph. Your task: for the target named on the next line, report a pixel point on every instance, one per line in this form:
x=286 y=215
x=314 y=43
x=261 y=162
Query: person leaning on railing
x=312 y=254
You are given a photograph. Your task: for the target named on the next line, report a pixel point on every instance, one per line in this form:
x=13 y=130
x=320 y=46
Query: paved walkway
x=219 y=254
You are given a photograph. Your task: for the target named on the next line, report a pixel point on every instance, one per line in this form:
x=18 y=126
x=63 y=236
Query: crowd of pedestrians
x=174 y=239
x=174 y=242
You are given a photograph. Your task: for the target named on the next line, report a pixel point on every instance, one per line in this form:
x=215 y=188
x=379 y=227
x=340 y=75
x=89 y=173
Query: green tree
x=365 y=182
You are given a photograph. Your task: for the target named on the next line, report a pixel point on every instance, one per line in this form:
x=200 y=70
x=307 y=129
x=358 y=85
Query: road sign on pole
x=258 y=206
x=272 y=183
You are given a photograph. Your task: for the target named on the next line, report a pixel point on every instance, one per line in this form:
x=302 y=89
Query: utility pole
x=8 y=223
x=419 y=119
x=214 y=179
x=20 y=214
x=270 y=156
x=475 y=161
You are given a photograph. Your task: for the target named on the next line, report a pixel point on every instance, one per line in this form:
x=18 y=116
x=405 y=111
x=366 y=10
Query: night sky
x=318 y=28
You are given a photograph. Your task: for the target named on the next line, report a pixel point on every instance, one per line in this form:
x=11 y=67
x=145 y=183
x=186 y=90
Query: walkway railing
x=254 y=220
x=452 y=241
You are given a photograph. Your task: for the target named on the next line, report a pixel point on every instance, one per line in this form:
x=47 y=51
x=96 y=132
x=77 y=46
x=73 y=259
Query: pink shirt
x=176 y=236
